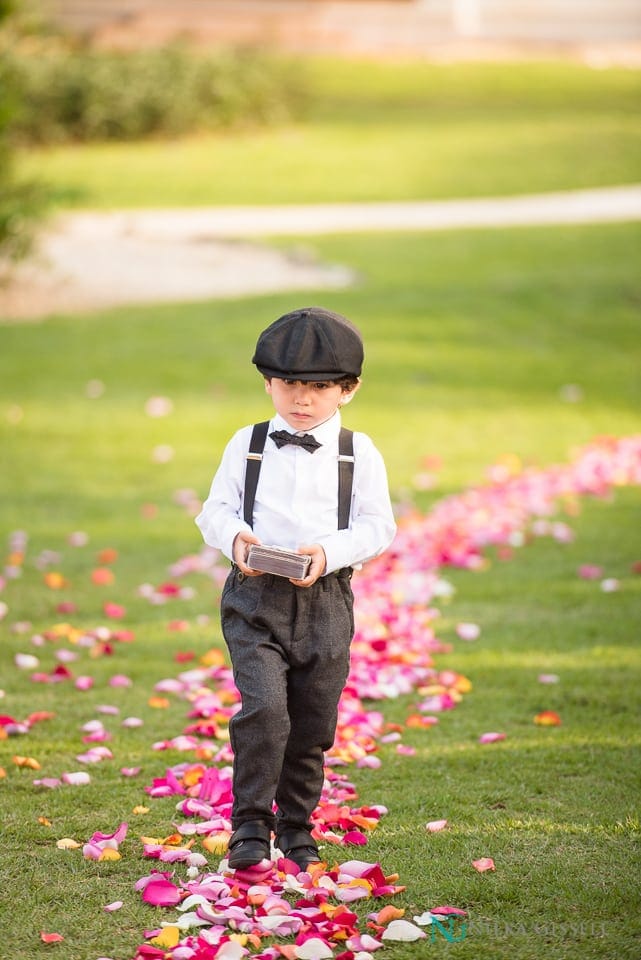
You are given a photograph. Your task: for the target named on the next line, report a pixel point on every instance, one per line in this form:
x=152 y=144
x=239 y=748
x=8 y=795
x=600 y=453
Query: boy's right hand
x=240 y=548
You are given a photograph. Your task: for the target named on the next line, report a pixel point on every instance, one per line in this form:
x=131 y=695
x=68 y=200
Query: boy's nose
x=302 y=395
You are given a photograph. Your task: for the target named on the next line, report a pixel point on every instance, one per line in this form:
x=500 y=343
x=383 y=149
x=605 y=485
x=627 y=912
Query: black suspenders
x=345 y=476
x=252 y=471
x=345 y=472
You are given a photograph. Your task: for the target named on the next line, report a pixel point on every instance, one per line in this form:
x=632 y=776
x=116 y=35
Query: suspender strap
x=254 y=460
x=345 y=476
x=345 y=472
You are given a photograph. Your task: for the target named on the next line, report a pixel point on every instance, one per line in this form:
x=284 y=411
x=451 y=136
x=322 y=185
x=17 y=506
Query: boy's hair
x=348 y=383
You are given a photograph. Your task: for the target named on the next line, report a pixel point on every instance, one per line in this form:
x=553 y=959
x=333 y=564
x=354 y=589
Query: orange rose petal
x=158 y=703
x=55 y=581
x=102 y=576
x=28 y=762
x=108 y=555
x=548 y=718
x=389 y=913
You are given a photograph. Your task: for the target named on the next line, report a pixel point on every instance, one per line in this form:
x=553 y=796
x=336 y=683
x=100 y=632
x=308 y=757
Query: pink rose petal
x=491 y=737
x=79 y=779
x=435 y=825
x=159 y=892
x=485 y=863
x=468 y=631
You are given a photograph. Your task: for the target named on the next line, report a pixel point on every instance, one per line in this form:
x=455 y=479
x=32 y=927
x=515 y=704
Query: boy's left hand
x=317 y=566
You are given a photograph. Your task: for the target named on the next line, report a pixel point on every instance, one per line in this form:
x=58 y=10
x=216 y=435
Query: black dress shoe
x=249 y=844
x=298 y=845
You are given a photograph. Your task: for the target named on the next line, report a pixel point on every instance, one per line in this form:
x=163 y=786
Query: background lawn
x=479 y=345
x=383 y=132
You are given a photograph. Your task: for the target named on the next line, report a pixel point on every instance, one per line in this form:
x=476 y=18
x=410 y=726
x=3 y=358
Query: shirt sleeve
x=220 y=519
x=372 y=526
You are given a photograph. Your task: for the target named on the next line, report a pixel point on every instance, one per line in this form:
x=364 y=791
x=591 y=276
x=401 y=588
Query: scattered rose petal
x=67 y=606
x=468 y=631
x=55 y=580
x=491 y=737
x=610 y=585
x=78 y=539
x=114 y=610
x=29 y=762
x=26 y=661
x=403 y=930
x=67 y=843
x=158 y=407
x=484 y=864
x=102 y=576
x=50 y=937
x=106 y=556
x=162 y=453
x=159 y=892
x=590 y=571
x=548 y=678
x=313 y=949
x=158 y=703
x=548 y=718
x=111 y=907
x=78 y=779
x=94 y=389
x=434 y=826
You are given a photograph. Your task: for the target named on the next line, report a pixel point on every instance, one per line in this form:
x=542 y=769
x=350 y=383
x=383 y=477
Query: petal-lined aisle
x=218 y=914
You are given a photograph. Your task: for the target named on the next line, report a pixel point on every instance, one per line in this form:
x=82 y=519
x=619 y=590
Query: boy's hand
x=242 y=541
x=317 y=566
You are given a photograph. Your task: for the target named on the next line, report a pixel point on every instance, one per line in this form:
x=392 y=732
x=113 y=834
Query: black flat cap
x=310 y=344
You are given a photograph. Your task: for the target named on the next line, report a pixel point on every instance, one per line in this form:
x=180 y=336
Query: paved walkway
x=90 y=260
x=580 y=206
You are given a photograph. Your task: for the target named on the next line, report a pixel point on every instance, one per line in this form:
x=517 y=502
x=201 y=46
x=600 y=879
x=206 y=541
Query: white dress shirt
x=297 y=497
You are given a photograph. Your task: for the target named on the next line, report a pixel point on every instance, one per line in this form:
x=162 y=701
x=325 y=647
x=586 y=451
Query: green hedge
x=21 y=203
x=87 y=94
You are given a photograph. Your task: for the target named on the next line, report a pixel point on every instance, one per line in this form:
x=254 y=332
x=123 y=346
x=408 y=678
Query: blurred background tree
x=21 y=202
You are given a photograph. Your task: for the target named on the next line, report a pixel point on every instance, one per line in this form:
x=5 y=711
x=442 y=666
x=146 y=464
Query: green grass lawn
x=377 y=132
x=472 y=340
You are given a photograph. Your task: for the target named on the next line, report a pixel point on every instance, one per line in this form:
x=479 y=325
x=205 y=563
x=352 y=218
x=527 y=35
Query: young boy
x=289 y=639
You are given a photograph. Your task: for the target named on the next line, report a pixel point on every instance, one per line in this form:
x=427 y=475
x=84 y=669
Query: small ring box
x=276 y=560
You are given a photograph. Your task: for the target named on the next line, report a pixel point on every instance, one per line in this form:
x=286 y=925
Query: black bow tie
x=306 y=440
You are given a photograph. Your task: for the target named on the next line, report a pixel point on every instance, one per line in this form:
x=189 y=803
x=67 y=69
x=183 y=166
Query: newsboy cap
x=309 y=344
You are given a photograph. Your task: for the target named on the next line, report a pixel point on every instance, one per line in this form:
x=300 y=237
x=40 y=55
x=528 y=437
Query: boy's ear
x=268 y=385
x=348 y=396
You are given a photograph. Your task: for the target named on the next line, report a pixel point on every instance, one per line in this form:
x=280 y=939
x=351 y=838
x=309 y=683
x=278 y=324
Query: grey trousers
x=289 y=649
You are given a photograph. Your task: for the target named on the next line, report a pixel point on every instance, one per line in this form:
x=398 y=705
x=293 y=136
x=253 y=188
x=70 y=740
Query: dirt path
x=90 y=260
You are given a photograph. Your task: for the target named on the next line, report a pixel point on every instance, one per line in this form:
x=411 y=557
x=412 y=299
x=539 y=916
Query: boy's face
x=304 y=405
